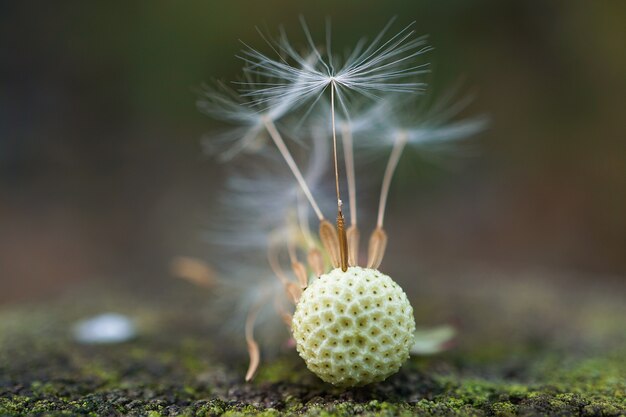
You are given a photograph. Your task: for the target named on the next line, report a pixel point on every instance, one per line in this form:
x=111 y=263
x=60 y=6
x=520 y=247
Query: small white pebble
x=104 y=328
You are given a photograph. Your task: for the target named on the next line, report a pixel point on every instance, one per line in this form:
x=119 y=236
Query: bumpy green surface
x=353 y=328
x=556 y=362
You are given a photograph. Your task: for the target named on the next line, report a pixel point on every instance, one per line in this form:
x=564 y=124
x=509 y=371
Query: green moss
x=286 y=369
x=250 y=411
x=184 y=375
x=589 y=387
x=14 y=405
x=503 y=409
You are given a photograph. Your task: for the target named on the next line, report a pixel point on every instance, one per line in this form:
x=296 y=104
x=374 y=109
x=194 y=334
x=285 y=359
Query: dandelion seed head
x=283 y=125
x=353 y=328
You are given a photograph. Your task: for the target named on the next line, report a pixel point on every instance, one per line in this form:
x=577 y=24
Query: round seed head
x=353 y=328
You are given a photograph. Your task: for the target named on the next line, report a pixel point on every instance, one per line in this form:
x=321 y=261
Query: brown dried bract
x=272 y=259
x=316 y=262
x=294 y=290
x=353 y=236
x=287 y=318
x=300 y=272
x=284 y=315
x=253 y=347
x=194 y=270
x=330 y=240
x=377 y=246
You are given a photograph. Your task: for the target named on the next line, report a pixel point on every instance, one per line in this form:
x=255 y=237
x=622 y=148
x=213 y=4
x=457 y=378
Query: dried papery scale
x=194 y=270
x=377 y=247
x=352 y=236
x=300 y=272
x=352 y=325
x=297 y=267
x=294 y=291
x=282 y=312
x=262 y=304
x=330 y=240
x=253 y=347
x=316 y=262
x=272 y=259
x=314 y=257
x=276 y=245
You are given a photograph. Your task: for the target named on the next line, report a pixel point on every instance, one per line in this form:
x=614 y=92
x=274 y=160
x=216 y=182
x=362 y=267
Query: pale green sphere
x=353 y=328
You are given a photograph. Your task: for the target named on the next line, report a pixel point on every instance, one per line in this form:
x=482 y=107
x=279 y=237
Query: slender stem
x=346 y=138
x=280 y=144
x=341 y=229
x=332 y=115
x=394 y=157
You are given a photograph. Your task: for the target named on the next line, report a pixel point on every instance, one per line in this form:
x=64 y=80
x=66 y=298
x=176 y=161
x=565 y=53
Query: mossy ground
x=176 y=370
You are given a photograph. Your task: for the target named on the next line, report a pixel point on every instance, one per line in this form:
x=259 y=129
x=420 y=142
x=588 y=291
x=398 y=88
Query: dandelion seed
x=381 y=67
x=419 y=129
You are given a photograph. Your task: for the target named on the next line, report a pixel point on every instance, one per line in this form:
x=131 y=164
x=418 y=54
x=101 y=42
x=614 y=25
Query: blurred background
x=103 y=180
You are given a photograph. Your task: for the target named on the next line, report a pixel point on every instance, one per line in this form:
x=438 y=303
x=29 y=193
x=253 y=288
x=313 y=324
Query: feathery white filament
x=381 y=67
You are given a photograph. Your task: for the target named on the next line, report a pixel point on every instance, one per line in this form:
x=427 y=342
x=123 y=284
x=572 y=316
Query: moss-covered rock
x=177 y=369
x=145 y=378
